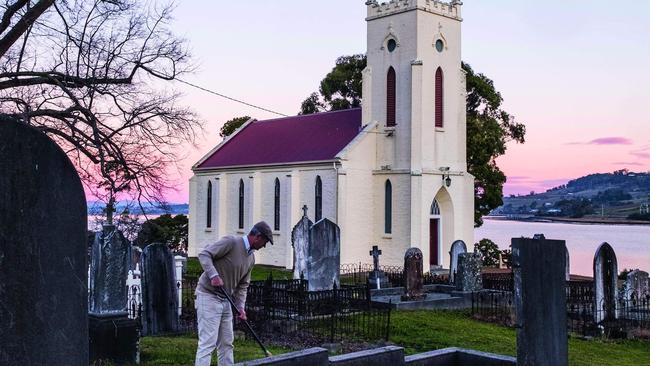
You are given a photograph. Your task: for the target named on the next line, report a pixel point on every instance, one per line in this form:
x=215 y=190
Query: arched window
x=276 y=205
x=241 y=204
x=209 y=208
x=319 y=198
x=435 y=209
x=439 y=98
x=388 y=208
x=390 y=97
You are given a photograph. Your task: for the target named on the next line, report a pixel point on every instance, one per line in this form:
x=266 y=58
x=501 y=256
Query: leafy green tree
x=489 y=252
x=232 y=125
x=489 y=127
x=340 y=89
x=165 y=229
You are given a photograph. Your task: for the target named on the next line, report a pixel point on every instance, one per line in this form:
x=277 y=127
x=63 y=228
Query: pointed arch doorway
x=435 y=234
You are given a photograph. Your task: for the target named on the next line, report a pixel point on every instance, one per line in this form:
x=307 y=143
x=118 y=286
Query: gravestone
x=136 y=253
x=377 y=278
x=300 y=242
x=540 y=301
x=636 y=286
x=605 y=283
x=159 y=292
x=113 y=336
x=43 y=255
x=468 y=277
x=413 y=285
x=324 y=255
x=109 y=267
x=457 y=248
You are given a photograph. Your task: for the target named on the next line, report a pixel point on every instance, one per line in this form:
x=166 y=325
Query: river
x=630 y=242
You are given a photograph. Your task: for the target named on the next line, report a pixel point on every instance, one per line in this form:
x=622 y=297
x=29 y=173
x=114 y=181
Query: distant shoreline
x=567 y=220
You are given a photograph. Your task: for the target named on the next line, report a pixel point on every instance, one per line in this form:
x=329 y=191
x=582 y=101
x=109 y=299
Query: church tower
x=414 y=89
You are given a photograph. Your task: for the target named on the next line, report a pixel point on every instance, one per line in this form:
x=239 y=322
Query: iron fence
x=498 y=281
x=622 y=318
x=358 y=274
x=304 y=317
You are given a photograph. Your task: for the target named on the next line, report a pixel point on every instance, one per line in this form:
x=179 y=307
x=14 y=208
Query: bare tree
x=92 y=74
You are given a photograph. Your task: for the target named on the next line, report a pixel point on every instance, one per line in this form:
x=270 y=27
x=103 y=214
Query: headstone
x=636 y=286
x=324 y=255
x=605 y=283
x=377 y=278
x=159 y=292
x=136 y=253
x=109 y=267
x=540 y=302
x=413 y=283
x=300 y=242
x=43 y=256
x=468 y=277
x=457 y=248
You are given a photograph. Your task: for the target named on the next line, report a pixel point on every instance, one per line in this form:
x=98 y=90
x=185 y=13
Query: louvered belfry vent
x=390 y=98
x=439 y=98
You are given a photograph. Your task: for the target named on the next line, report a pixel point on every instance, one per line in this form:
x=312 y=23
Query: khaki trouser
x=214 y=318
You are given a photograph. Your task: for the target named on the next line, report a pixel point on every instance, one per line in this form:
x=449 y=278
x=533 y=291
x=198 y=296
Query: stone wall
x=389 y=355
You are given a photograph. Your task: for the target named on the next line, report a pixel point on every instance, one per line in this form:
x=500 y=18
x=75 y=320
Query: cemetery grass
x=180 y=351
x=421 y=331
x=259 y=273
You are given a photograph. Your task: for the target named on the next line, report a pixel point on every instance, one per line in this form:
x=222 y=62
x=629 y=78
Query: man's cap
x=264 y=229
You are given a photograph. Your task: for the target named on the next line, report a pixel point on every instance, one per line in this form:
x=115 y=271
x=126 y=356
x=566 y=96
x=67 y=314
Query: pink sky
x=575 y=73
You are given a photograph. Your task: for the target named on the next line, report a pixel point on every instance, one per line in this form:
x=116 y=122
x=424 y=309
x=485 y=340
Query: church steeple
x=414 y=86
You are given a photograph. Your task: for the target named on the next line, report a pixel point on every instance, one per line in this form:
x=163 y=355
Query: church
x=392 y=173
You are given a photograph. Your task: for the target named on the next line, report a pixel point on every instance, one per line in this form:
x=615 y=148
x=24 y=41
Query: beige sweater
x=227 y=257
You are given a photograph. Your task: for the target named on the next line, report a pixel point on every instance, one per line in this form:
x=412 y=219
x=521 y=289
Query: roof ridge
x=306 y=115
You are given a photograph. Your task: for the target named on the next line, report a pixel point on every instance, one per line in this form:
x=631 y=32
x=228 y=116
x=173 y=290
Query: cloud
x=612 y=140
x=628 y=163
x=641 y=154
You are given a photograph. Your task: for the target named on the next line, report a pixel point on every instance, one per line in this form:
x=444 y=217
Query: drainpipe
x=336 y=169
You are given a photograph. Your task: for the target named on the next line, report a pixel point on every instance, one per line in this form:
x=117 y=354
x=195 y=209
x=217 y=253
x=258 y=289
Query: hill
x=97 y=208
x=618 y=195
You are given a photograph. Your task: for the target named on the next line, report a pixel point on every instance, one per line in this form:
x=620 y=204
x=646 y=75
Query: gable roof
x=305 y=138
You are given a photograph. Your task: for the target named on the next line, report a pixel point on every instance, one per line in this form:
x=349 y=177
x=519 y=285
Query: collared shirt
x=247 y=245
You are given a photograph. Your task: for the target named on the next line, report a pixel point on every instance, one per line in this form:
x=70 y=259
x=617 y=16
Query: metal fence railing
x=358 y=274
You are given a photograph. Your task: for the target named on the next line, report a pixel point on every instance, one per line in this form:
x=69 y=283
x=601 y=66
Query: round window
x=440 y=45
x=391 y=45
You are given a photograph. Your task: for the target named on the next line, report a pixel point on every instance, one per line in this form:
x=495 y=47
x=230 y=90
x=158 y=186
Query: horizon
x=570 y=76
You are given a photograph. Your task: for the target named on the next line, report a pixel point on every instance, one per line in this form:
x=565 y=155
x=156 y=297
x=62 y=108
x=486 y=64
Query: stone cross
x=304 y=210
x=375 y=253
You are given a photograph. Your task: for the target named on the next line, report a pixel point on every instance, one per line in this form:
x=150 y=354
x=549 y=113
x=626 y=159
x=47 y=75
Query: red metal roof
x=313 y=137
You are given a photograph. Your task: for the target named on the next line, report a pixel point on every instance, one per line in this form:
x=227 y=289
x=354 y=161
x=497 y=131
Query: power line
x=230 y=98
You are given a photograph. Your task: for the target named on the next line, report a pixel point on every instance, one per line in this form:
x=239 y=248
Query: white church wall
x=356 y=197
x=395 y=244
x=279 y=253
x=308 y=191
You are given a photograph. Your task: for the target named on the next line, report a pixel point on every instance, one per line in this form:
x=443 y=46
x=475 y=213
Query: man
x=227 y=266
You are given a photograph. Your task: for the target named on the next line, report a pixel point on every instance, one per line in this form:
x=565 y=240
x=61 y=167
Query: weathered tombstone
x=113 y=336
x=457 y=248
x=377 y=278
x=324 y=255
x=108 y=269
x=300 y=242
x=136 y=253
x=43 y=256
x=540 y=301
x=605 y=283
x=413 y=275
x=468 y=277
x=636 y=285
x=159 y=292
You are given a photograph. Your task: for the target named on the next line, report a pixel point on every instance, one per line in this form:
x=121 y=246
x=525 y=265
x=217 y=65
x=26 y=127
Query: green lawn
x=420 y=331
x=260 y=273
